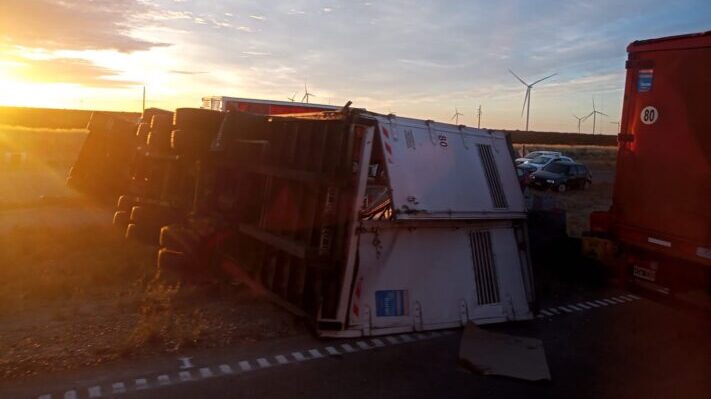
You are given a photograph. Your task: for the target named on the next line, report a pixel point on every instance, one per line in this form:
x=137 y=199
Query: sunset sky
x=419 y=59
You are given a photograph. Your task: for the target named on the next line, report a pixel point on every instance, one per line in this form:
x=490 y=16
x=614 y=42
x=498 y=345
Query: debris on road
x=505 y=355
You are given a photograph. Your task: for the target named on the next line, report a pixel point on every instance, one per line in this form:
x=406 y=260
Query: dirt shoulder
x=75 y=295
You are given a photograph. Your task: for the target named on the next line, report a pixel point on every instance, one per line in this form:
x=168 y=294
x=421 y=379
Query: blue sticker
x=644 y=80
x=391 y=303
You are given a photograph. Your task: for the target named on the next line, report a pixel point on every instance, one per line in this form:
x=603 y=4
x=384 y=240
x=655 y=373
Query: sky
x=412 y=58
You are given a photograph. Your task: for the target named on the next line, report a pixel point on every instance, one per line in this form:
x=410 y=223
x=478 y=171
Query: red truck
x=657 y=232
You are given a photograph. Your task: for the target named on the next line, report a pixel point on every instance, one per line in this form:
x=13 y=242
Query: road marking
x=185 y=376
x=563 y=308
x=377 y=342
x=347 y=348
x=421 y=336
x=225 y=369
x=406 y=337
x=609 y=301
x=118 y=387
x=393 y=340
x=70 y=394
x=332 y=351
x=582 y=305
x=574 y=307
x=298 y=356
x=593 y=304
x=363 y=345
x=435 y=333
x=95 y=391
x=547 y=313
x=281 y=359
x=554 y=310
x=263 y=363
x=205 y=372
x=633 y=296
x=163 y=379
x=185 y=363
x=244 y=365
x=315 y=353
x=141 y=383
x=601 y=302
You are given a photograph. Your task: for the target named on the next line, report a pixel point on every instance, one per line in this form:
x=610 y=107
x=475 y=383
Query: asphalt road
x=624 y=347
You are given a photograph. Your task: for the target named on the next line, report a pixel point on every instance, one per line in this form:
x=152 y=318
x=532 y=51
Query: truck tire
x=197 y=119
x=172 y=261
x=161 y=122
x=183 y=142
x=142 y=133
x=152 y=215
x=158 y=140
x=121 y=219
x=142 y=233
x=125 y=203
x=178 y=238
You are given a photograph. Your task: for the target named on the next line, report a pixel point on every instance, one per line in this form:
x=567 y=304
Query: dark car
x=561 y=176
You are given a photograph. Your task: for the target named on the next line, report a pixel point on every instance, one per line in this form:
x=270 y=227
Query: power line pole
x=478 y=115
x=143 y=109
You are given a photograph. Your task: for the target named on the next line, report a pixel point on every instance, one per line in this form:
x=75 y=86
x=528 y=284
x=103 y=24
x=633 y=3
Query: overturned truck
x=370 y=224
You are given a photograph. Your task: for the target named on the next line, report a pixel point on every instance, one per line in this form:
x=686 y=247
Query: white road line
x=540 y=316
x=593 y=304
x=205 y=372
x=163 y=379
x=582 y=305
x=554 y=310
x=407 y=337
x=363 y=345
x=185 y=376
x=615 y=300
x=70 y=394
x=315 y=353
x=392 y=340
x=377 y=342
x=623 y=298
x=435 y=333
x=574 y=307
x=332 y=351
x=609 y=301
x=263 y=363
x=563 y=308
x=347 y=348
x=141 y=383
x=118 y=387
x=298 y=356
x=244 y=365
x=281 y=359
x=185 y=362
x=95 y=391
x=601 y=302
x=633 y=296
x=547 y=313
x=421 y=336
x=225 y=369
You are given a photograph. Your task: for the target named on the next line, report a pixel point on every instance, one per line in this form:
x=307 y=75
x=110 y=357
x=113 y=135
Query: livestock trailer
x=372 y=224
x=658 y=229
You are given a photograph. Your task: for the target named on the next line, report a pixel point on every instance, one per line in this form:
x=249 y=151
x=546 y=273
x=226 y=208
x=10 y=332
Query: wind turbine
x=456 y=116
x=307 y=94
x=292 y=98
x=527 y=98
x=594 y=114
x=580 y=119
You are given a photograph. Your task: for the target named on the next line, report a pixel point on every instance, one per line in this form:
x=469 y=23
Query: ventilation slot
x=487 y=287
x=492 y=176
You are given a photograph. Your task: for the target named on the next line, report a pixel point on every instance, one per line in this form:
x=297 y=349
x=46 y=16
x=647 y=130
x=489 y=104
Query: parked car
x=542 y=161
x=561 y=176
x=535 y=154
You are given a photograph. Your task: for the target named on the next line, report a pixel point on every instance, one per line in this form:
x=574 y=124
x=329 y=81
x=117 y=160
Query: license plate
x=644 y=273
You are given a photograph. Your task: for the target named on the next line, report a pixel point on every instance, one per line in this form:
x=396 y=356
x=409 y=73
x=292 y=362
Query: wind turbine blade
x=576 y=116
x=594 y=104
x=304 y=97
x=541 y=80
x=587 y=116
x=602 y=113
x=525 y=99
x=519 y=79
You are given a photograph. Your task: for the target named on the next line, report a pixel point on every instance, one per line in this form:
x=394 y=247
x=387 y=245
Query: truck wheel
x=142 y=233
x=152 y=215
x=172 y=261
x=561 y=188
x=178 y=238
x=142 y=133
x=162 y=122
x=125 y=203
x=121 y=219
x=183 y=141
x=158 y=140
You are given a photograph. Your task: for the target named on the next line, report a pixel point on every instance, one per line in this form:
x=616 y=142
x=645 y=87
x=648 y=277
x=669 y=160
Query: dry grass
x=82 y=296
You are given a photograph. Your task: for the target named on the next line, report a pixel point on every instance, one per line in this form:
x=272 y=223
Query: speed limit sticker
x=649 y=115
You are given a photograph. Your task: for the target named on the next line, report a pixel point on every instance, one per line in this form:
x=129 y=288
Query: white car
x=535 y=154
x=538 y=163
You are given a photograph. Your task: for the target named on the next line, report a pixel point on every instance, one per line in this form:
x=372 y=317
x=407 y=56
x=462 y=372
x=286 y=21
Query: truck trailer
x=657 y=233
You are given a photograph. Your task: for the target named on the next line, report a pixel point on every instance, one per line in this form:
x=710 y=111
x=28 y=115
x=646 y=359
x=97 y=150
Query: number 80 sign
x=649 y=115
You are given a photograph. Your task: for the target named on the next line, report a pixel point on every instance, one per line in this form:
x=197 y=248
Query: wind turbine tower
x=456 y=116
x=580 y=120
x=594 y=114
x=527 y=98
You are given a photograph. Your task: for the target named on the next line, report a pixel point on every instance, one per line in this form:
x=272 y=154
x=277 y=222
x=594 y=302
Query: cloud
x=187 y=72
x=69 y=71
x=73 y=24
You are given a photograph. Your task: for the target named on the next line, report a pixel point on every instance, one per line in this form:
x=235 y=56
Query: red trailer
x=659 y=223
